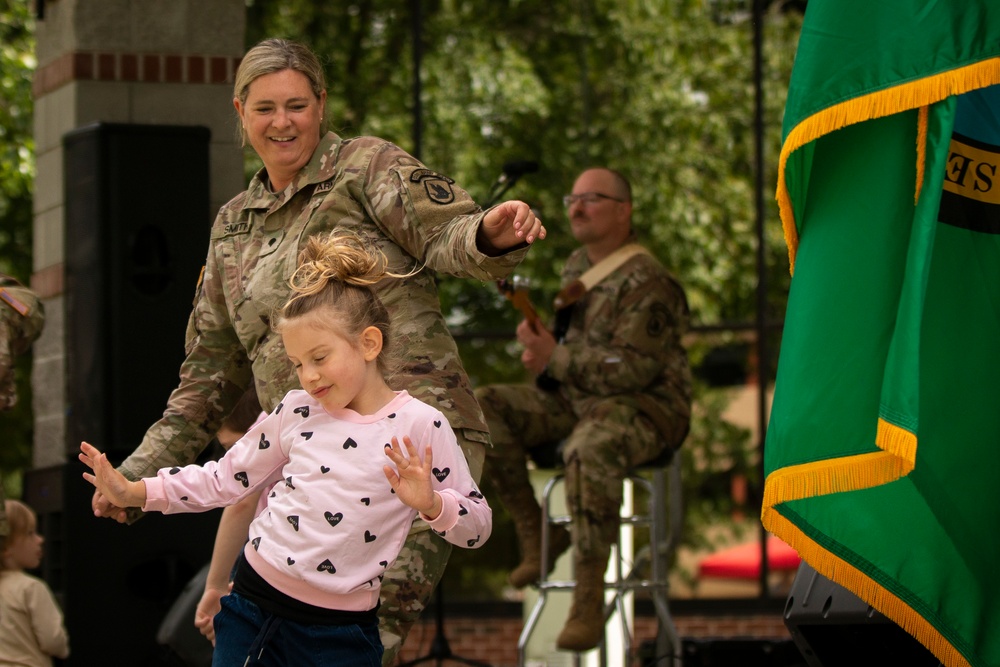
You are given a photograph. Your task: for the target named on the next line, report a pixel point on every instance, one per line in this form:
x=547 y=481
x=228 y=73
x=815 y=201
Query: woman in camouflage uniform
x=314 y=181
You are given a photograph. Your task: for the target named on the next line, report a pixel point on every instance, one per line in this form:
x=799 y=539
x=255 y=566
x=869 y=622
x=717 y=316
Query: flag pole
x=761 y=323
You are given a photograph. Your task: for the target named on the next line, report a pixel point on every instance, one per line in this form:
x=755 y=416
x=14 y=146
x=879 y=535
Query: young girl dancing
x=348 y=478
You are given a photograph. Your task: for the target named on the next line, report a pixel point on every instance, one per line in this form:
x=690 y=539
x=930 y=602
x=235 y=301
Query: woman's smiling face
x=282 y=118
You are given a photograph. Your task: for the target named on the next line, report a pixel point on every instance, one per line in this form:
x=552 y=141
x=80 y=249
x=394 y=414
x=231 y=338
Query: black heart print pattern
x=288 y=482
x=324 y=469
x=441 y=474
x=264 y=442
x=349 y=443
x=326 y=566
x=294 y=520
x=302 y=410
x=461 y=510
x=242 y=478
x=256 y=543
x=333 y=519
x=475 y=494
x=473 y=542
x=174 y=470
x=369 y=537
x=290 y=560
x=366 y=501
x=437 y=423
x=306 y=434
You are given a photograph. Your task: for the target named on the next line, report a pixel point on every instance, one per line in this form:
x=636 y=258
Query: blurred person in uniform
x=314 y=181
x=22 y=318
x=612 y=383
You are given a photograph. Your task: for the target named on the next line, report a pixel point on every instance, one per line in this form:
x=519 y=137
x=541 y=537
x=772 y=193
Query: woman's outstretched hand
x=508 y=225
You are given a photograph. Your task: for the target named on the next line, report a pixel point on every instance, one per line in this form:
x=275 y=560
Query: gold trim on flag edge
x=899 y=98
x=851 y=473
x=838 y=570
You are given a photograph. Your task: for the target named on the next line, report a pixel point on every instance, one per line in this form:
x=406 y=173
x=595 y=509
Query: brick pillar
x=152 y=62
x=126 y=65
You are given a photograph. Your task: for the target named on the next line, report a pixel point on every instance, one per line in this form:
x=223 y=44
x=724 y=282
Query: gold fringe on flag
x=896 y=459
x=846 y=473
x=898 y=98
x=837 y=569
x=921 y=150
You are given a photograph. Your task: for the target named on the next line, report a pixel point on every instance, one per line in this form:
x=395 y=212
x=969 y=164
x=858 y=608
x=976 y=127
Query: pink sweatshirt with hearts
x=332 y=524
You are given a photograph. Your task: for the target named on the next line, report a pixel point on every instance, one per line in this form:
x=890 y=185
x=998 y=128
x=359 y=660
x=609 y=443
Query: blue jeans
x=247 y=635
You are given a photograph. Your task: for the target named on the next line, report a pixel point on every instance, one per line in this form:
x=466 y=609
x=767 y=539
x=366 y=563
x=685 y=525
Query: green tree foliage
x=17 y=147
x=662 y=91
x=17 y=173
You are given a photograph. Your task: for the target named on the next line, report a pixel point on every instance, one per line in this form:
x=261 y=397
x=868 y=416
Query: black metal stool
x=663 y=516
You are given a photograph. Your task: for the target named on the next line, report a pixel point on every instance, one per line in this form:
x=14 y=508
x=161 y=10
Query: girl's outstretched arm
x=111 y=483
x=411 y=478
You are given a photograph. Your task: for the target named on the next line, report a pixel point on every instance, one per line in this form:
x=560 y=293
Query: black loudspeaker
x=833 y=627
x=745 y=652
x=178 y=634
x=137 y=228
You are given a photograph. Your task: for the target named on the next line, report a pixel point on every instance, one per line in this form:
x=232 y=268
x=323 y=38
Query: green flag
x=883 y=446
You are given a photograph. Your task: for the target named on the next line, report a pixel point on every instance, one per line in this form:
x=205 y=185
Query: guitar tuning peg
x=521 y=282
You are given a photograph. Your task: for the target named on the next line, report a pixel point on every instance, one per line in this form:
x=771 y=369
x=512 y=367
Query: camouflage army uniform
x=17 y=333
x=624 y=397
x=420 y=220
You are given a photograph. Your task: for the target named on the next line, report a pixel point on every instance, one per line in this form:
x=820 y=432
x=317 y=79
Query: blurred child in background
x=31 y=623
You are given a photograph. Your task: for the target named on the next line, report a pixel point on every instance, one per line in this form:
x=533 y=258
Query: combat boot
x=529 y=571
x=526 y=513
x=584 y=628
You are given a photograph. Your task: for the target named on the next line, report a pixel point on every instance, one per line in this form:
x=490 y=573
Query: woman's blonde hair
x=337 y=272
x=22 y=522
x=276 y=55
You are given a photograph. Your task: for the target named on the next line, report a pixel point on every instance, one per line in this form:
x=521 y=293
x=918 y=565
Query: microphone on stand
x=509 y=174
x=518 y=168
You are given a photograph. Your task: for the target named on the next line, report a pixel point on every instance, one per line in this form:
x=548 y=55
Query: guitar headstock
x=517 y=293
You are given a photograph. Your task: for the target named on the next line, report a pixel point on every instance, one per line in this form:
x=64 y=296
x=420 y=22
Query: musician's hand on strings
x=538 y=346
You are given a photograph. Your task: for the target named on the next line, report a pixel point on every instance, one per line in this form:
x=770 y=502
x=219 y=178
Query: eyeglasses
x=587 y=198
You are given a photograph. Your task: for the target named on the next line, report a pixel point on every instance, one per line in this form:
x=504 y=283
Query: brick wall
x=494 y=640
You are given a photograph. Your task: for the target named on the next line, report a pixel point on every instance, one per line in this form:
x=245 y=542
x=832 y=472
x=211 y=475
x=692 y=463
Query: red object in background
x=743 y=561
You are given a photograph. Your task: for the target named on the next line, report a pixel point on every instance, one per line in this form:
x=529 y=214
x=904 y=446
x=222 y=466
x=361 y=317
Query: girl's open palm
x=111 y=483
x=411 y=477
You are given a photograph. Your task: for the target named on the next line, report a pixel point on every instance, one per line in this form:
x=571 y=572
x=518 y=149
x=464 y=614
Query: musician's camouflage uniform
x=624 y=396
x=420 y=220
x=17 y=332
